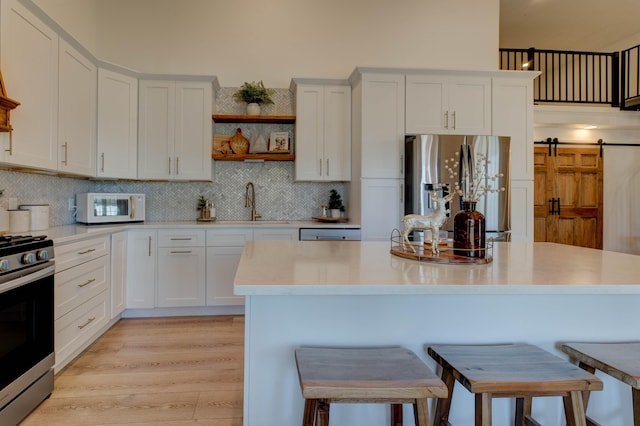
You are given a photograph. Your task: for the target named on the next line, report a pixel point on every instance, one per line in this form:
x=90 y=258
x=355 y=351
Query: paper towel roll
x=19 y=221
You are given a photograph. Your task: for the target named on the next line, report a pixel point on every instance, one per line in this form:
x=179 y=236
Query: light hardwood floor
x=153 y=371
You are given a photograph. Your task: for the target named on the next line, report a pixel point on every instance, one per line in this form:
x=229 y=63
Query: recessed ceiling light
x=590 y=127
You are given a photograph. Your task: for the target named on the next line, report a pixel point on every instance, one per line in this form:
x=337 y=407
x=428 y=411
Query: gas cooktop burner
x=12 y=240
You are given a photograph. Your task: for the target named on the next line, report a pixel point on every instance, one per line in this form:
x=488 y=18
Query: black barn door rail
x=554 y=142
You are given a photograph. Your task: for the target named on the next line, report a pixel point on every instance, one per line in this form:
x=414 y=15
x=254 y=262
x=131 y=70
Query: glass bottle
x=469 y=232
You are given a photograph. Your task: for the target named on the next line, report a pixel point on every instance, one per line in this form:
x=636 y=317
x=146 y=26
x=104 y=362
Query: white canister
x=39 y=216
x=19 y=221
x=4 y=221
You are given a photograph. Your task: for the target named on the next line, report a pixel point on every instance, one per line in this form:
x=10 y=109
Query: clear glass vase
x=469 y=233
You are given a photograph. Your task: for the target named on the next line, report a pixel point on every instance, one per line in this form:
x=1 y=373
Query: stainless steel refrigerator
x=425 y=169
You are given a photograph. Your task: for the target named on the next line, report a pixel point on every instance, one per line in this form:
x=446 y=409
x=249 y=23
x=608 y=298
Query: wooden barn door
x=568 y=196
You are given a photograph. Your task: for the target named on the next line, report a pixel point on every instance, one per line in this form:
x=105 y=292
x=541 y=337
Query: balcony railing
x=567 y=76
x=630 y=78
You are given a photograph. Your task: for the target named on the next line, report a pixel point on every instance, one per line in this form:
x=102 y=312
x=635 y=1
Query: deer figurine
x=431 y=221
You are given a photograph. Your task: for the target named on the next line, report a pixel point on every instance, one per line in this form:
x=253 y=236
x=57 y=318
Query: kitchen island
x=357 y=293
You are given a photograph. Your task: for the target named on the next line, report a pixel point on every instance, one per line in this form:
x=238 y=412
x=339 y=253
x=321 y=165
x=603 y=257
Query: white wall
x=275 y=40
x=77 y=17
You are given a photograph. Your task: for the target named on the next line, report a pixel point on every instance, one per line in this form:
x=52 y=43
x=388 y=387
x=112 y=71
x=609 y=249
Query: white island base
x=316 y=293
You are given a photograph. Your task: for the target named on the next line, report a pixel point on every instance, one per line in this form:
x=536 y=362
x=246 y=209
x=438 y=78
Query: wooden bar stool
x=518 y=371
x=620 y=360
x=387 y=375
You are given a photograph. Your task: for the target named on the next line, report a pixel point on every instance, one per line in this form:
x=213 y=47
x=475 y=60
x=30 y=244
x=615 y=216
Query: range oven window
x=26 y=328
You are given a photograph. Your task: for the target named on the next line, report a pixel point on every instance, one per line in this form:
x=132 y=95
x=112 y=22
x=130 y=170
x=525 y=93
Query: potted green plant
x=254 y=94
x=335 y=204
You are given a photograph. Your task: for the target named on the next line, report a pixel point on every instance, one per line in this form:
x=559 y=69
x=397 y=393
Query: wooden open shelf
x=232 y=118
x=255 y=157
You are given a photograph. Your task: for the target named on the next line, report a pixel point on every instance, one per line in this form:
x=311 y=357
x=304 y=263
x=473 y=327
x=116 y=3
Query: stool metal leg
x=309 y=415
x=421 y=412
x=443 y=406
x=396 y=414
x=574 y=409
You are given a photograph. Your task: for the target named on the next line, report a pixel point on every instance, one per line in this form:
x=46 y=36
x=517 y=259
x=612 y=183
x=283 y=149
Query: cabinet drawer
x=72 y=254
x=79 y=326
x=229 y=237
x=181 y=238
x=75 y=286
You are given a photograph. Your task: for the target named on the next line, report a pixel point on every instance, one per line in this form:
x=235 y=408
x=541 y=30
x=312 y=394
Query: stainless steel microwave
x=96 y=208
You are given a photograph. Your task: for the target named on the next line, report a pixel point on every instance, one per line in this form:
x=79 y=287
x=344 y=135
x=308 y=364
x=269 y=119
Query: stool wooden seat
x=518 y=371
x=388 y=375
x=620 y=360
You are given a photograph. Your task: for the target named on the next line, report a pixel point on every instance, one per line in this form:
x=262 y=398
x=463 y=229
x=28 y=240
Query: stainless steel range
x=26 y=325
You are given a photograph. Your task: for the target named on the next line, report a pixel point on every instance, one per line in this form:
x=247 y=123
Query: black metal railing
x=630 y=78
x=568 y=76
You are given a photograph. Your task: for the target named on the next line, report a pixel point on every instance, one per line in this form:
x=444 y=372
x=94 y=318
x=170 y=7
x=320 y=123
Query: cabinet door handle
x=401 y=193
x=89 y=321
x=446 y=119
x=149 y=246
x=552 y=206
x=169 y=166
x=66 y=150
x=177 y=166
x=328 y=167
x=102 y=162
x=180 y=252
x=86 y=251
x=454 y=120
x=87 y=283
x=401 y=165
x=181 y=239
x=320 y=166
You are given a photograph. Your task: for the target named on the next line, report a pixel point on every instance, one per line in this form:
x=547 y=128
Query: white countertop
x=368 y=268
x=68 y=233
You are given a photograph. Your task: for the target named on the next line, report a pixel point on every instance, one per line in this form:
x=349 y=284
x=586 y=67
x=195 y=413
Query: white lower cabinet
x=181 y=268
x=382 y=205
x=118 y=273
x=81 y=297
x=224 y=248
x=141 y=268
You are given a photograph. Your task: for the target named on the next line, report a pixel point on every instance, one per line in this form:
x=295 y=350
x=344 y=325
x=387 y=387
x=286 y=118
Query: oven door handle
x=20 y=278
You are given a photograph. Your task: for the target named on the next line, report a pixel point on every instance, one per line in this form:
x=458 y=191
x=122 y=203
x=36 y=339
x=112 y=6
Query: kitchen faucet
x=251 y=201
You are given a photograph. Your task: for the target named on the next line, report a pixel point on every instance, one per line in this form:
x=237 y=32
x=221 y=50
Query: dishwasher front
x=329 y=234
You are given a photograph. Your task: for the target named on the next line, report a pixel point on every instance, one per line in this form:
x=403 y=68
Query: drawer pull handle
x=87 y=283
x=181 y=239
x=89 y=321
x=181 y=252
x=86 y=251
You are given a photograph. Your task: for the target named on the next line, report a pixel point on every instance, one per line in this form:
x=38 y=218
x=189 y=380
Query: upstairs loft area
x=574 y=77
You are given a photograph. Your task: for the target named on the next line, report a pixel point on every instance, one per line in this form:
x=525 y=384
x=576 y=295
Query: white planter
x=335 y=212
x=253 y=109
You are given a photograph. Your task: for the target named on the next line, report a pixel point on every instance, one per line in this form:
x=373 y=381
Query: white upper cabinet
x=441 y=104
x=379 y=137
x=77 y=114
x=323 y=131
x=117 y=125
x=175 y=127
x=512 y=113
x=29 y=58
